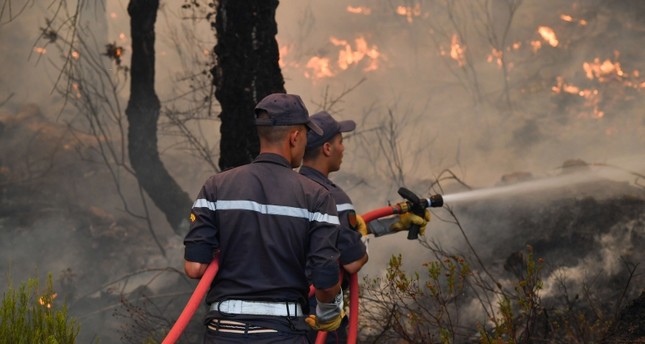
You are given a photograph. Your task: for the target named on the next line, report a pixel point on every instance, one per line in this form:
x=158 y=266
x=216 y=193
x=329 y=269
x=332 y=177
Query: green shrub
x=29 y=315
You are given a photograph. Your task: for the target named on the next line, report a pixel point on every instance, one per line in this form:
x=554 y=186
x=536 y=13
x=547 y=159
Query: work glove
x=361 y=226
x=406 y=220
x=328 y=315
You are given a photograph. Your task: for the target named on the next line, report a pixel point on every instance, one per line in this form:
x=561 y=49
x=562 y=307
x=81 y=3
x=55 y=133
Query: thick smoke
x=418 y=111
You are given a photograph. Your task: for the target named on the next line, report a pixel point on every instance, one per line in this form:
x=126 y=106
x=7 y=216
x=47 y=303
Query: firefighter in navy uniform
x=323 y=155
x=269 y=225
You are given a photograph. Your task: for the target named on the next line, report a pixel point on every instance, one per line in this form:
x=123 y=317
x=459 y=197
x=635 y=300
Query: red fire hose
x=205 y=282
x=194 y=301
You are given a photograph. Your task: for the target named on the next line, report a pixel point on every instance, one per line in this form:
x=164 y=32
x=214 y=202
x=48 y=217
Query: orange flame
x=347 y=56
x=548 y=35
x=76 y=55
x=569 y=19
x=363 y=53
x=602 y=71
x=457 y=51
x=495 y=55
x=591 y=97
x=320 y=66
x=77 y=90
x=47 y=301
x=283 y=51
x=41 y=51
x=536 y=45
x=359 y=10
x=409 y=12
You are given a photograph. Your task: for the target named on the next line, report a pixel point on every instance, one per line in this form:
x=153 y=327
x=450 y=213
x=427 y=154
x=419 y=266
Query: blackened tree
x=143 y=114
x=246 y=70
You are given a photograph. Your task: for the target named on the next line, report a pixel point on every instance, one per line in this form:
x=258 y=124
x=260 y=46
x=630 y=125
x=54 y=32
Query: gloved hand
x=361 y=226
x=406 y=220
x=331 y=325
x=328 y=315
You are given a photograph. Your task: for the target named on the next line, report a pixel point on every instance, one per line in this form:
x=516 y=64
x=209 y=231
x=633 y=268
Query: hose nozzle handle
x=418 y=207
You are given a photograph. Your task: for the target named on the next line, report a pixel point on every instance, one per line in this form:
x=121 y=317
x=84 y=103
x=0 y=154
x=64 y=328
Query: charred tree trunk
x=143 y=113
x=246 y=70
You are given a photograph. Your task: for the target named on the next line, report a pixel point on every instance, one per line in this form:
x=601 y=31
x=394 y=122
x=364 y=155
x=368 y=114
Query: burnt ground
x=60 y=213
x=591 y=236
x=629 y=327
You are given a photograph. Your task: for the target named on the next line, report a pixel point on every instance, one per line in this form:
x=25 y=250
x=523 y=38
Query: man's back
x=271 y=226
x=261 y=213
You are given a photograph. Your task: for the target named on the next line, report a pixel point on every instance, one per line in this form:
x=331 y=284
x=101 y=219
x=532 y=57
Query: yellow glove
x=361 y=226
x=406 y=220
x=331 y=325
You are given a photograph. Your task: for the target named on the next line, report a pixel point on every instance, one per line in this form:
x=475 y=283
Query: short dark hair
x=311 y=154
x=274 y=134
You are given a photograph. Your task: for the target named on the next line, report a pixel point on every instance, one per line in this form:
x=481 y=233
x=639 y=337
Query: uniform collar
x=272 y=158
x=316 y=175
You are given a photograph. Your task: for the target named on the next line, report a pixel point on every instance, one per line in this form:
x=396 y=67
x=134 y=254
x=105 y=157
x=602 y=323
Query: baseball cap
x=330 y=127
x=285 y=109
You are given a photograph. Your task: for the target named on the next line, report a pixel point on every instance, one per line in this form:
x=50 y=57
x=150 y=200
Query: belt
x=282 y=309
x=230 y=326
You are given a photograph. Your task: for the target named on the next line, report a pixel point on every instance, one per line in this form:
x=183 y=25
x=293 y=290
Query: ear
x=327 y=148
x=293 y=137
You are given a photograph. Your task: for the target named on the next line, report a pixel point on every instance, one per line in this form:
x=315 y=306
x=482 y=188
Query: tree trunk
x=143 y=113
x=246 y=71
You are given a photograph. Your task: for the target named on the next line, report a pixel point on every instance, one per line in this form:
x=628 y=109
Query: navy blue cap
x=330 y=128
x=284 y=109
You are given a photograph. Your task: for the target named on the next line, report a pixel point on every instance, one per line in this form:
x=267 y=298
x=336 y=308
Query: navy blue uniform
x=270 y=225
x=349 y=240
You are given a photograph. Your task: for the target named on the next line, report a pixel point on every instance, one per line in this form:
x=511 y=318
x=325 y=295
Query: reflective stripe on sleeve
x=344 y=207
x=204 y=203
x=266 y=209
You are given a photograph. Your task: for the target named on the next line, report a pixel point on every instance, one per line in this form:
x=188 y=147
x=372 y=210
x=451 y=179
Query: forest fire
x=592 y=97
x=409 y=12
x=457 y=50
x=320 y=68
x=601 y=72
x=548 y=35
x=569 y=19
x=46 y=301
x=495 y=55
x=362 y=53
x=359 y=10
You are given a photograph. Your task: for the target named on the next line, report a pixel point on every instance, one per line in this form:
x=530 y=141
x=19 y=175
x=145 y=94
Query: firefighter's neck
x=320 y=164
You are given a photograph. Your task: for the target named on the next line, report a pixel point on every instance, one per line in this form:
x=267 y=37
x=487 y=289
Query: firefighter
x=269 y=225
x=323 y=155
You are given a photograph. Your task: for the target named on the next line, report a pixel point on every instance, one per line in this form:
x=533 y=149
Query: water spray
x=601 y=172
x=542 y=184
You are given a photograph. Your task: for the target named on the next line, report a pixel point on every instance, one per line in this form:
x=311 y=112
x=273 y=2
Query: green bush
x=28 y=315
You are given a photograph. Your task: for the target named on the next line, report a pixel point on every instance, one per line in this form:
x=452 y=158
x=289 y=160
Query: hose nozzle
x=435 y=201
